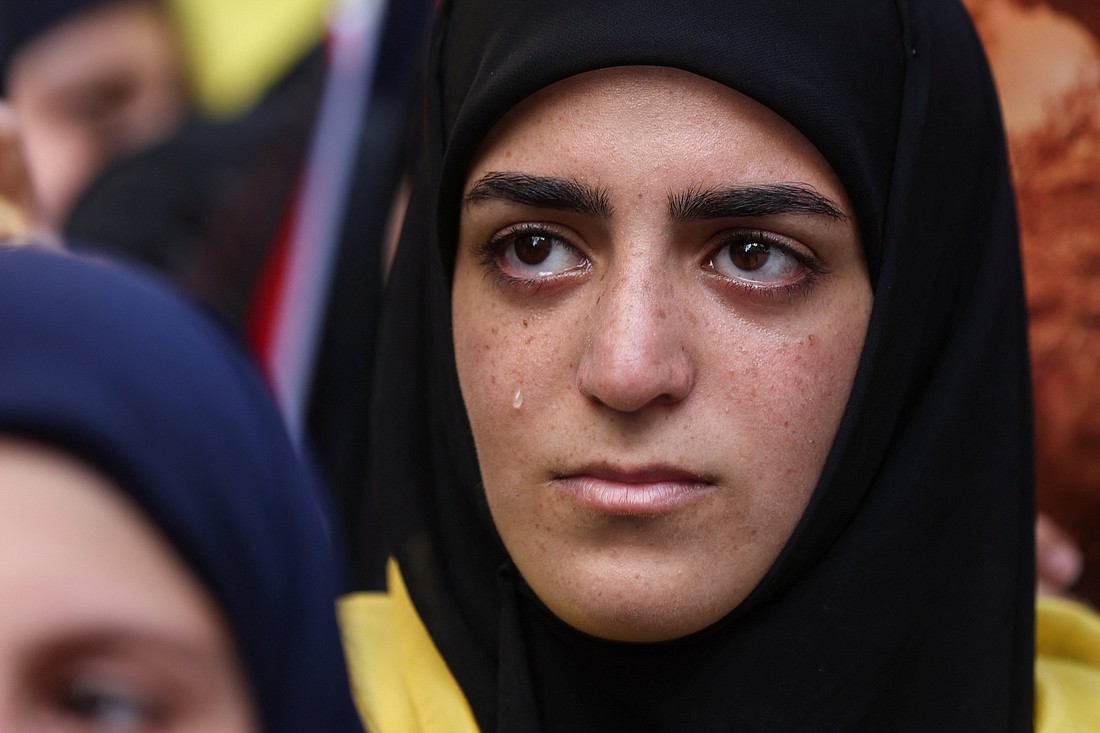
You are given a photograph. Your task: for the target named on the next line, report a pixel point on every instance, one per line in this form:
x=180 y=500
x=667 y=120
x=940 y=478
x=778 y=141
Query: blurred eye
x=103 y=706
x=535 y=254
x=759 y=258
x=97 y=104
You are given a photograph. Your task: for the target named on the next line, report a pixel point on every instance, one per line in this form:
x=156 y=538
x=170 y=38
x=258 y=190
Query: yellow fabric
x=1067 y=668
x=400 y=681
x=238 y=48
x=402 y=684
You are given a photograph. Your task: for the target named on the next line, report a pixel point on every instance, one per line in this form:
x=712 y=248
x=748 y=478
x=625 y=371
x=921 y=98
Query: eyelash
x=489 y=252
x=771 y=293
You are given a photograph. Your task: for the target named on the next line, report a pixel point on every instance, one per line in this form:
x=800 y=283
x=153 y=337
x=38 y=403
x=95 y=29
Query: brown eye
x=532 y=249
x=750 y=256
x=754 y=258
x=535 y=254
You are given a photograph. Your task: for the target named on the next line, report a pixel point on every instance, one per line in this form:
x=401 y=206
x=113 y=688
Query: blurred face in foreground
x=102 y=628
x=660 y=299
x=103 y=83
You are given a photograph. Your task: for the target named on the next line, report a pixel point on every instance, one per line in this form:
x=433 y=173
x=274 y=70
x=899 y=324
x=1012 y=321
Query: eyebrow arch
x=749 y=201
x=541 y=192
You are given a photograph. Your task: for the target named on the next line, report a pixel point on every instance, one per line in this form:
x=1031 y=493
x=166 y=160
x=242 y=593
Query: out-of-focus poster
x=1046 y=60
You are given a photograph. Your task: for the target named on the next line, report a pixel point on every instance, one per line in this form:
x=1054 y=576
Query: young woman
x=704 y=392
x=164 y=558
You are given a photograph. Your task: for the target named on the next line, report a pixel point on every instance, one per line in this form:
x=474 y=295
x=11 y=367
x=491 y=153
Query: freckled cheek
x=485 y=377
x=498 y=373
x=793 y=392
x=511 y=377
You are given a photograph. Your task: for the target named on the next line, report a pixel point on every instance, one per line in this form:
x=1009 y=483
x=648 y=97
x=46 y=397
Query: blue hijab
x=108 y=367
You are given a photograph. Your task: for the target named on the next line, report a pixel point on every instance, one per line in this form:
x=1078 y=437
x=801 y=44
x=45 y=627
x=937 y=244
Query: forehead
x=656 y=126
x=113 y=38
x=74 y=548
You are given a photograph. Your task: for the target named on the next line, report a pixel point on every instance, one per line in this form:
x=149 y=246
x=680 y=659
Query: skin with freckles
x=102 y=628
x=660 y=299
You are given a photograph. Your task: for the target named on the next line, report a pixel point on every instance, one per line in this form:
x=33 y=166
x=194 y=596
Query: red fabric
x=270 y=286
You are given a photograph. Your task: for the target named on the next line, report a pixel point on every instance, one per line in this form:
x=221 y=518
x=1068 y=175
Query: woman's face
x=660 y=299
x=102 y=628
x=106 y=82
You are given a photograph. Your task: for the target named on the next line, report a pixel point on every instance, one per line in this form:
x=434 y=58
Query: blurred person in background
x=252 y=189
x=276 y=208
x=166 y=561
x=203 y=204
x=88 y=81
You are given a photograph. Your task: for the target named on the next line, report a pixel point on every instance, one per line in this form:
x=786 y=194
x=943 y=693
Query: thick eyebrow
x=749 y=201
x=541 y=192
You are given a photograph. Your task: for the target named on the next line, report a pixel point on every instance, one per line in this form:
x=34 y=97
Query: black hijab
x=105 y=366
x=903 y=601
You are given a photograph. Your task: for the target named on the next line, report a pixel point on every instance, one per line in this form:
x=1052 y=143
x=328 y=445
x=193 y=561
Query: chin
x=631 y=602
x=640 y=622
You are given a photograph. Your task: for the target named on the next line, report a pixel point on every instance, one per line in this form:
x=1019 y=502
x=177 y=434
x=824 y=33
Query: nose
x=636 y=352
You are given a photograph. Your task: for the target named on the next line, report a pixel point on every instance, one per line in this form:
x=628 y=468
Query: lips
x=642 y=492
